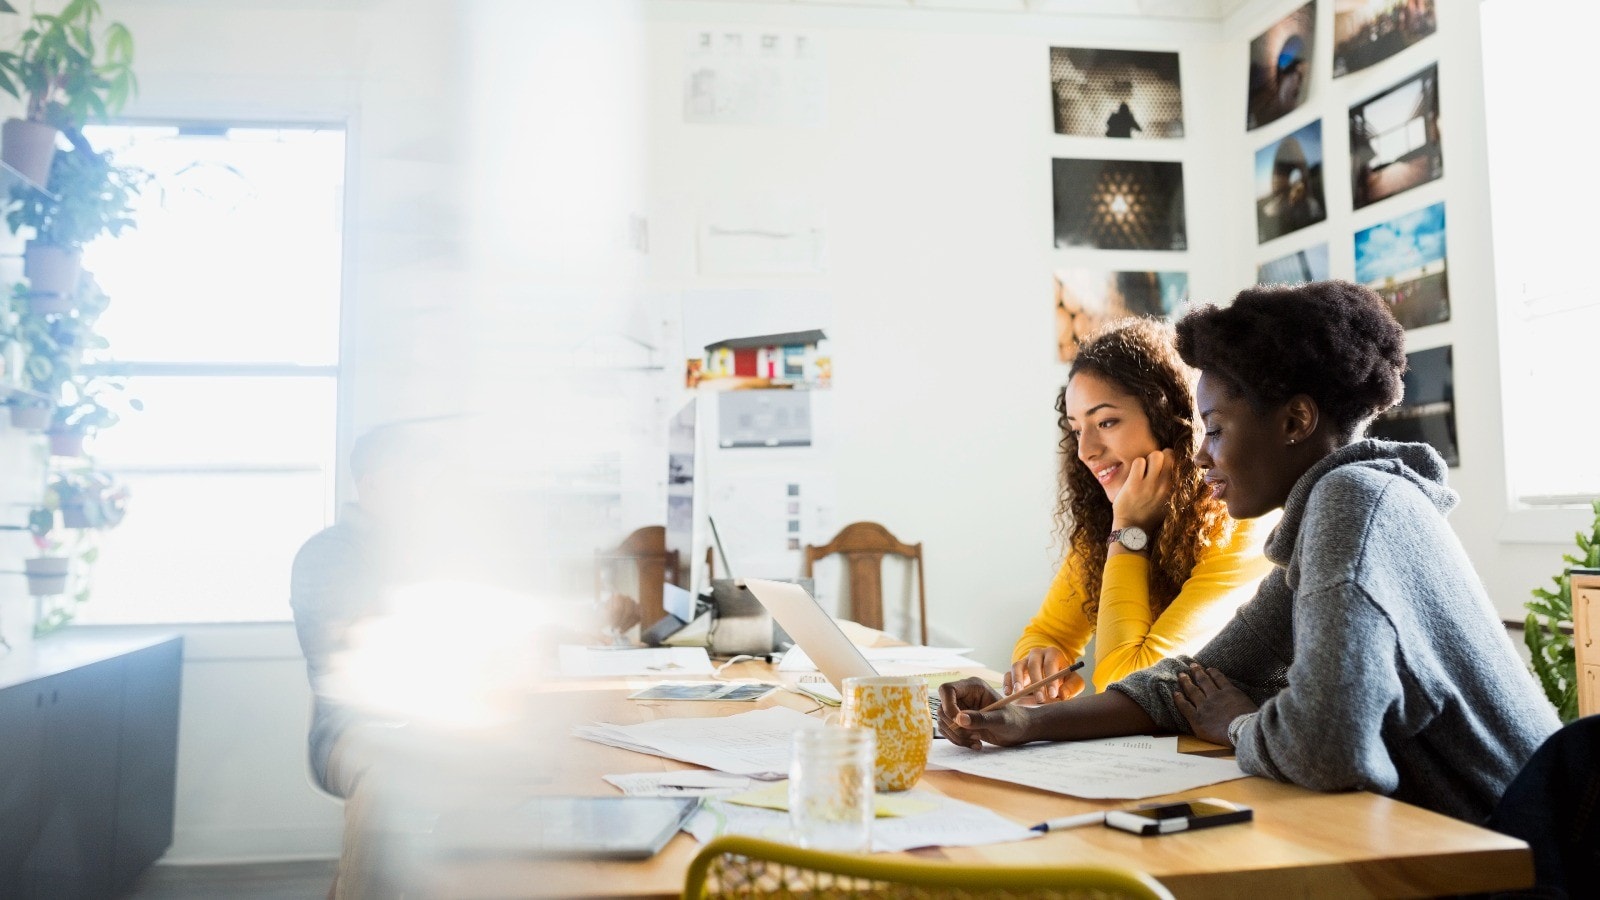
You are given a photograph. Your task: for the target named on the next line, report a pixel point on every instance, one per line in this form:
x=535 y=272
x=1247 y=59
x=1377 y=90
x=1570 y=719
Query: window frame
x=337 y=371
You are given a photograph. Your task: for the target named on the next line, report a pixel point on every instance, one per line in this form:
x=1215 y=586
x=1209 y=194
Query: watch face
x=1133 y=538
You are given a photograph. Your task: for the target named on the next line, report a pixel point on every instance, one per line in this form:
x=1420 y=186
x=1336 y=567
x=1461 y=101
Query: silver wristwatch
x=1132 y=537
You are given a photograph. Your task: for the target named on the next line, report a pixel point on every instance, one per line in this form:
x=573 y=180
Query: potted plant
x=63 y=76
x=89 y=498
x=89 y=196
x=47 y=573
x=82 y=502
x=82 y=412
x=1553 y=658
x=54 y=348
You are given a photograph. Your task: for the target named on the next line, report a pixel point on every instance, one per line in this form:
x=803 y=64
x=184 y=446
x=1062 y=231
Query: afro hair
x=1336 y=342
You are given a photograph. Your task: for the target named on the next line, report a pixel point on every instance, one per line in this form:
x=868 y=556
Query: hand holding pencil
x=1032 y=687
x=970 y=712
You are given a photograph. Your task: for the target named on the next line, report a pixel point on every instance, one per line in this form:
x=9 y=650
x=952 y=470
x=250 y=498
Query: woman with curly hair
x=1370 y=658
x=1154 y=566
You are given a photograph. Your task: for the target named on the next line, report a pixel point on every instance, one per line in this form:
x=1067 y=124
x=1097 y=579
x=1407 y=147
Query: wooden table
x=1302 y=843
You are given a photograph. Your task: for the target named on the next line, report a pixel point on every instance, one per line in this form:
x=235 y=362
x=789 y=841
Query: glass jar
x=830 y=788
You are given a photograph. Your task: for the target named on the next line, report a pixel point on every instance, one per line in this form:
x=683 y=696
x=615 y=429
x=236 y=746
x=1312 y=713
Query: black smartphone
x=1166 y=818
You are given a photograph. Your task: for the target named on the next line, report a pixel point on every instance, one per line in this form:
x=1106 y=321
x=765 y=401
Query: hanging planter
x=63 y=72
x=29 y=414
x=52 y=271
x=47 y=575
x=28 y=147
x=65 y=443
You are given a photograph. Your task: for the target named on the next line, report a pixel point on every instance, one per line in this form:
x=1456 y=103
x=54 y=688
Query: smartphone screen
x=1166 y=818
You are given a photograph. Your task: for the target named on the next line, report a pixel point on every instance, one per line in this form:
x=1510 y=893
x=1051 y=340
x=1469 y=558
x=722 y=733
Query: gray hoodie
x=1371 y=647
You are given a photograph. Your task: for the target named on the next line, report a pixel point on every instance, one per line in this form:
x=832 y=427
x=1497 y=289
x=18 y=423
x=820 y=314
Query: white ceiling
x=1185 y=10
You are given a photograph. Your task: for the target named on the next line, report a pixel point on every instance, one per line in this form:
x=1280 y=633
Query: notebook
x=569 y=827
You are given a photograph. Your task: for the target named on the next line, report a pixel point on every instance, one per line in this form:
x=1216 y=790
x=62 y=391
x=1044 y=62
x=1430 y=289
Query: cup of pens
x=895 y=707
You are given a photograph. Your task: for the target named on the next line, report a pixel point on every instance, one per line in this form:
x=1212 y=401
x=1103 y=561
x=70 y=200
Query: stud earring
x=1291 y=440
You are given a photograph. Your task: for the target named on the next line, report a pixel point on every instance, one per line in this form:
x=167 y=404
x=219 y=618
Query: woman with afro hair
x=1370 y=657
x=1153 y=566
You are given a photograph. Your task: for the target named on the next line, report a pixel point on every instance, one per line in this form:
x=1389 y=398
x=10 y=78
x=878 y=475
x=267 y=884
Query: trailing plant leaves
x=1553 y=657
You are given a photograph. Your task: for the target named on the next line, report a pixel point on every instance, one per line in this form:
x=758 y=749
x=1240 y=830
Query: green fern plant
x=1554 y=659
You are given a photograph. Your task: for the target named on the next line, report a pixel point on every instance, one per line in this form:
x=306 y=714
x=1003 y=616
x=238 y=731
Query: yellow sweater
x=1130 y=637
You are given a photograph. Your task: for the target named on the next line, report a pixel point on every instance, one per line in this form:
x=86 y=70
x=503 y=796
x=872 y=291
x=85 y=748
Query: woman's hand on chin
x=1142 y=501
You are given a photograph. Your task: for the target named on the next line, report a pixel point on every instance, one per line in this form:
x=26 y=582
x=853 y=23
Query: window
x=224 y=318
x=1543 y=213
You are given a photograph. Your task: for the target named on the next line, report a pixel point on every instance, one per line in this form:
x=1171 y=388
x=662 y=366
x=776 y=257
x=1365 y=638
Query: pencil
x=1013 y=697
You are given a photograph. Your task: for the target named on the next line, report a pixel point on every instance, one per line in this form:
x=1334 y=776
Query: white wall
x=933 y=168
x=1514 y=550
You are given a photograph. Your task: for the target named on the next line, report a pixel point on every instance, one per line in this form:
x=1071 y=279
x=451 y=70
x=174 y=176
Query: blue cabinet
x=88 y=763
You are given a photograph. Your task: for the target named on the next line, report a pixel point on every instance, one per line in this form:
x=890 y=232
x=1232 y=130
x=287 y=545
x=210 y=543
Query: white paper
x=738 y=76
x=893 y=660
x=682 y=783
x=599 y=662
x=756 y=744
x=950 y=823
x=1094 y=770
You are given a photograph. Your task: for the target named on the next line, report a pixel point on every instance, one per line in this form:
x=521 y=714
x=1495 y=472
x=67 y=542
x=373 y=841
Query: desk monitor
x=810 y=626
x=683 y=526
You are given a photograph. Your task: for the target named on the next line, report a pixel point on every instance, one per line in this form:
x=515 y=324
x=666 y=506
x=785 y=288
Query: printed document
x=756 y=744
x=601 y=662
x=1094 y=770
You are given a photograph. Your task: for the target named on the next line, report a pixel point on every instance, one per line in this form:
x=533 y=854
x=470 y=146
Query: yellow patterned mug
x=896 y=708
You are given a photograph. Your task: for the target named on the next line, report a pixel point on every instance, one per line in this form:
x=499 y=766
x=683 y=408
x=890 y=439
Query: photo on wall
x=1089 y=298
x=1115 y=93
x=1367 y=32
x=1427 y=414
x=1119 y=204
x=1289 y=183
x=1280 y=67
x=1403 y=259
x=1310 y=264
x=1394 y=139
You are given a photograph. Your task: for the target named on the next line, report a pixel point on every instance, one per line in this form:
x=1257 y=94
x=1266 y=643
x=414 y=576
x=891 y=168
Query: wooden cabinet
x=88 y=759
x=1586 y=629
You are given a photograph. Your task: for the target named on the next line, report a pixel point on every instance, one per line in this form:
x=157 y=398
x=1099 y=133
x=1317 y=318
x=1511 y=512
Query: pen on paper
x=1014 y=696
x=1094 y=818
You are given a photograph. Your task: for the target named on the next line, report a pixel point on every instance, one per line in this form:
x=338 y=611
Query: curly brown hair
x=1137 y=355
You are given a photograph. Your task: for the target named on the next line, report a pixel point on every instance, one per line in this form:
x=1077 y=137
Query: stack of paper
x=1109 y=769
x=755 y=744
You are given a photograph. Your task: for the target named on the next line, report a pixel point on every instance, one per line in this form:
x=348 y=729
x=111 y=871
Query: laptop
x=810 y=626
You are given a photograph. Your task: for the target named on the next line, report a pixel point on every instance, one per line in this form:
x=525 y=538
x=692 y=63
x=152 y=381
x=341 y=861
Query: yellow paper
x=776 y=796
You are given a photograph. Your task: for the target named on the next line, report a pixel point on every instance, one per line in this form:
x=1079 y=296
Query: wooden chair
x=735 y=866
x=863 y=546
x=645 y=551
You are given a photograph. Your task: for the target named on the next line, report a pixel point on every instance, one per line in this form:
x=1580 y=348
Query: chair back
x=1554 y=805
x=643 y=556
x=737 y=866
x=863 y=546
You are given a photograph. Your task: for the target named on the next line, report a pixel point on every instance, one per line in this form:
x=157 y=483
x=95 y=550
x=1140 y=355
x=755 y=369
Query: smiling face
x=1250 y=464
x=1111 y=428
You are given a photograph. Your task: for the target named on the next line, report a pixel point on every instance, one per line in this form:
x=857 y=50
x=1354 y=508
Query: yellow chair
x=736 y=866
